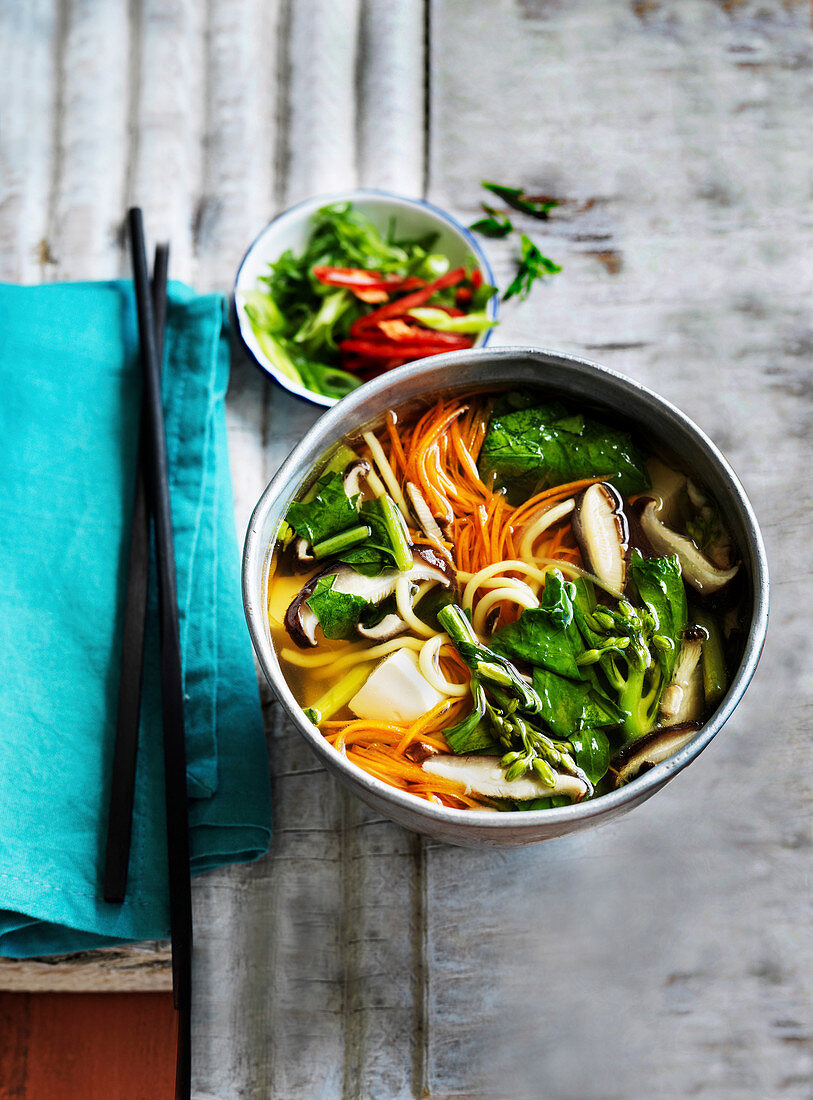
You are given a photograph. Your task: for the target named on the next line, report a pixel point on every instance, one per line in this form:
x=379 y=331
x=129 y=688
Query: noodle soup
x=504 y=602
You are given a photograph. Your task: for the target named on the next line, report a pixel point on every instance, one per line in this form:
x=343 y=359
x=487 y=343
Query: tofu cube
x=396 y=691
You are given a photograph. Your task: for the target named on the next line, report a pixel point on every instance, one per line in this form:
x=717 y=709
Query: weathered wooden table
x=668 y=954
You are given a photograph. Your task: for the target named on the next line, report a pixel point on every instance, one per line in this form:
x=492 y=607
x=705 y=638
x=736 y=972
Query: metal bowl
x=571 y=377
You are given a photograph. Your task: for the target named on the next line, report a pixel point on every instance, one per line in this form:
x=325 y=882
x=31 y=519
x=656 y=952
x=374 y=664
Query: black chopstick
x=180 y=892
x=122 y=783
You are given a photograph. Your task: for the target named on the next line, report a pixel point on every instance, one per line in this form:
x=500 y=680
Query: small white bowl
x=291 y=229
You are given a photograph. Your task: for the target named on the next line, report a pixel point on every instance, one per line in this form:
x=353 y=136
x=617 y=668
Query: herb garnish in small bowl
x=337 y=291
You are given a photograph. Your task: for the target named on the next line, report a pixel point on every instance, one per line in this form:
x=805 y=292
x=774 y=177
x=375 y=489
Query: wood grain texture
x=668 y=953
x=142 y=968
x=90 y=138
x=28 y=49
x=63 y=1046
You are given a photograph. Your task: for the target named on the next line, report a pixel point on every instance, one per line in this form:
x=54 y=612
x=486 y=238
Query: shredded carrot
x=395 y=442
x=549 y=496
x=417 y=728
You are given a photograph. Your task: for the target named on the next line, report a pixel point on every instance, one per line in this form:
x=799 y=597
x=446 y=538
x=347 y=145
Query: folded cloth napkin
x=70 y=389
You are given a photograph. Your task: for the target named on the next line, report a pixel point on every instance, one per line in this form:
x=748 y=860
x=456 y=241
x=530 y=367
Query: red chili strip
x=387 y=349
x=403 y=333
x=359 y=279
x=371 y=295
x=410 y=301
x=356 y=278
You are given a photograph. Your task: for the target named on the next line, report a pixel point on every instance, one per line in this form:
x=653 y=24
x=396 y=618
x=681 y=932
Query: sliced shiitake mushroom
x=483 y=775
x=423 y=514
x=301 y=621
x=353 y=475
x=601 y=530
x=389 y=627
x=641 y=755
x=668 y=485
x=302 y=556
x=698 y=571
x=419 y=751
x=682 y=701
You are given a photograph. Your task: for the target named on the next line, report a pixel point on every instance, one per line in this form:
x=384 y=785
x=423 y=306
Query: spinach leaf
x=545 y=445
x=513 y=400
x=544 y=636
x=373 y=513
x=659 y=583
x=600 y=710
x=329 y=512
x=557 y=599
x=367 y=559
x=570 y=706
x=532 y=266
x=373 y=613
x=591 y=751
x=427 y=608
x=337 y=612
x=584 y=604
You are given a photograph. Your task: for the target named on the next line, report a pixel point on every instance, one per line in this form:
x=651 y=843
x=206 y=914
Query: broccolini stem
x=489 y=667
x=337 y=544
x=339 y=695
x=510 y=705
x=397 y=531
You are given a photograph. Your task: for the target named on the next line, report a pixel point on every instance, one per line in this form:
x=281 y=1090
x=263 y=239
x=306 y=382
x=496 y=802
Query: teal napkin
x=69 y=410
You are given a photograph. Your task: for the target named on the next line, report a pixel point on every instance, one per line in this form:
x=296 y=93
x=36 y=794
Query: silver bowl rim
x=327 y=199
x=639 y=789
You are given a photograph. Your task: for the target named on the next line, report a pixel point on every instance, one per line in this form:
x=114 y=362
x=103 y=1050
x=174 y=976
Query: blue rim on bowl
x=303 y=210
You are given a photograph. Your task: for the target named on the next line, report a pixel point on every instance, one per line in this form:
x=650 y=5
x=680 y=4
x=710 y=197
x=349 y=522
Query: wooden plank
x=91 y=140
x=391 y=96
x=239 y=174
x=62 y=1046
x=30 y=37
x=167 y=111
x=320 y=146
x=138 y=968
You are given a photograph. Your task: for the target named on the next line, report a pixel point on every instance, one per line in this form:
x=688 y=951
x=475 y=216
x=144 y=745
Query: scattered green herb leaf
x=532 y=266
x=536 y=206
x=492 y=225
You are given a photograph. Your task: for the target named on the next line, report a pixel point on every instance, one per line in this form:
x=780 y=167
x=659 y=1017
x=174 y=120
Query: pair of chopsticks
x=152 y=499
